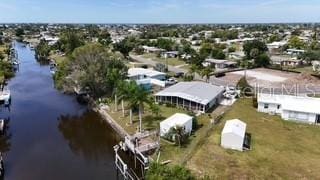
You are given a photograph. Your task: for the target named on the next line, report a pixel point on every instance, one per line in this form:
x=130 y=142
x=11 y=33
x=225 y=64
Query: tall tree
x=295 y=42
x=205 y=50
x=125 y=46
x=104 y=38
x=206 y=72
x=259 y=46
x=42 y=50
x=96 y=68
x=139 y=98
x=125 y=91
x=263 y=60
x=70 y=40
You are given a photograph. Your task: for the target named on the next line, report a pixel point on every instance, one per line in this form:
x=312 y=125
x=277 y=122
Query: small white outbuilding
x=233 y=135
x=175 y=120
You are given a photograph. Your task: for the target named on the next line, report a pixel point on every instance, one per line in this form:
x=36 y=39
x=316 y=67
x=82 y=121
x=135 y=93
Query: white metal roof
x=235 y=126
x=198 y=92
x=152 y=48
x=177 y=119
x=141 y=71
x=292 y=103
x=216 y=61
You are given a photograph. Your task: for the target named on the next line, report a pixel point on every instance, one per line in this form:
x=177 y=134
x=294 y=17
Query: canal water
x=51 y=136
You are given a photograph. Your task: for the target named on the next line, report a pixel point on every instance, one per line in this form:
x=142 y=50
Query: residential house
x=193 y=96
x=155 y=50
x=147 y=77
x=296 y=108
x=286 y=61
x=219 y=64
x=170 y=54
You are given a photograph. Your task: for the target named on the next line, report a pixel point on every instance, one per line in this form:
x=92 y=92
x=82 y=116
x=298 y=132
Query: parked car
x=171 y=81
x=179 y=75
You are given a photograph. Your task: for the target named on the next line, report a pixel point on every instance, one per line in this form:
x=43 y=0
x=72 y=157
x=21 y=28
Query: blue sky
x=159 y=11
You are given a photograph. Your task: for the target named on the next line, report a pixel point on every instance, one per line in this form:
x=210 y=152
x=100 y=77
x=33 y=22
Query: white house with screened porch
x=296 y=108
x=193 y=96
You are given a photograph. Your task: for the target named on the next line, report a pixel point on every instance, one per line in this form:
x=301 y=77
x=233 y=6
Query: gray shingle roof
x=199 y=92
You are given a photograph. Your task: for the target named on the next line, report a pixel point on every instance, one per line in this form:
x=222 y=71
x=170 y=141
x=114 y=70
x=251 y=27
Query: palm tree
x=138 y=97
x=179 y=135
x=122 y=94
x=206 y=72
x=193 y=69
x=115 y=78
x=125 y=90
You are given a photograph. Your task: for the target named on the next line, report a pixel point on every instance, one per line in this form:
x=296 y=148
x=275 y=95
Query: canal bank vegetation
x=42 y=51
x=158 y=171
x=92 y=68
x=6 y=67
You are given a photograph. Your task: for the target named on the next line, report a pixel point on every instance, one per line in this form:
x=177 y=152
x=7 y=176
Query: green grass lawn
x=171 y=61
x=280 y=149
x=150 y=121
x=307 y=69
x=168 y=151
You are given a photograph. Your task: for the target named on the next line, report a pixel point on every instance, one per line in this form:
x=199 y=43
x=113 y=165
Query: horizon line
x=176 y=23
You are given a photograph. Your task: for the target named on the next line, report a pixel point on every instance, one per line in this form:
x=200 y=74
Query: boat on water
x=53 y=67
x=1 y=167
x=5 y=96
x=31 y=47
x=2 y=125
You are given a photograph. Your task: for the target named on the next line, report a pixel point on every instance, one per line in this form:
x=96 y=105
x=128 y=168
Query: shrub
x=177 y=135
x=244 y=86
x=157 y=171
x=255 y=102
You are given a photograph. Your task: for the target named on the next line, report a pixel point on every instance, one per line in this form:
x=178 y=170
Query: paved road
x=213 y=80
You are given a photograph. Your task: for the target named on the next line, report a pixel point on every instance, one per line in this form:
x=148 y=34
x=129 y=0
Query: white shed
x=233 y=135
x=177 y=119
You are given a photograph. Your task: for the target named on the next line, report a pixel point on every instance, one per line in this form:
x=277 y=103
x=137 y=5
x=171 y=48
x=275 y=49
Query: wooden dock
x=140 y=145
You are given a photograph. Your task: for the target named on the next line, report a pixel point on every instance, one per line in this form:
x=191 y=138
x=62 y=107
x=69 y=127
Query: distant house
x=295 y=51
x=193 y=96
x=219 y=64
x=51 y=40
x=239 y=41
x=170 y=54
x=141 y=73
x=178 y=119
x=286 y=61
x=148 y=49
x=234 y=135
x=276 y=47
x=301 y=109
x=147 y=77
x=237 y=55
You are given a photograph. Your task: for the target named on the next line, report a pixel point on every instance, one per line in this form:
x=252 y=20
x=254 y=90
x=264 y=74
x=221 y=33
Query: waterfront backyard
x=169 y=152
